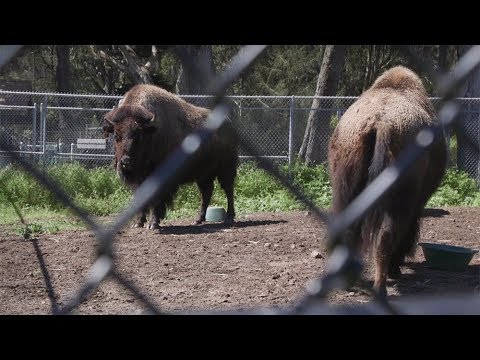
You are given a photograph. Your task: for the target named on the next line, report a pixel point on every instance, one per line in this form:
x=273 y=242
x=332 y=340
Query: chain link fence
x=42 y=126
x=53 y=128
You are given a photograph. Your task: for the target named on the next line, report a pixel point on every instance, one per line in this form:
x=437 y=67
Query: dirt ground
x=264 y=260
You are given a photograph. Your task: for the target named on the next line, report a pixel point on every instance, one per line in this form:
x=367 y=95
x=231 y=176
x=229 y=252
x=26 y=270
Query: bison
x=147 y=126
x=369 y=136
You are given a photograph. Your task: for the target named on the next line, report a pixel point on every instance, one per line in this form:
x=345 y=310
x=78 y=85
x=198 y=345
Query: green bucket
x=447 y=257
x=215 y=214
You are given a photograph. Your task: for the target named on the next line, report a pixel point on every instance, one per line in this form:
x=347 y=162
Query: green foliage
x=456 y=189
x=283 y=70
x=100 y=193
x=452 y=151
x=334 y=119
x=97 y=190
x=280 y=70
x=35 y=229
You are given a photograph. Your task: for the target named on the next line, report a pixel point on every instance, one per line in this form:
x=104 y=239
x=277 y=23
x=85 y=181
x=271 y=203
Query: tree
x=282 y=70
x=126 y=59
x=364 y=63
x=63 y=83
x=315 y=140
x=63 y=74
x=196 y=71
x=443 y=57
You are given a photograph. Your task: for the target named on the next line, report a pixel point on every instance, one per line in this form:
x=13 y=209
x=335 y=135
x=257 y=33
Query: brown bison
x=370 y=136
x=148 y=125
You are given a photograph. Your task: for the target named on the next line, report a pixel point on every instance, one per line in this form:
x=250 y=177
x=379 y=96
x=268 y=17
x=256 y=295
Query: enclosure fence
x=44 y=126
x=52 y=128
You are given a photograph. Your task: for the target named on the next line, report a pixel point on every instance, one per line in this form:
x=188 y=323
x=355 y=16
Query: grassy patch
x=100 y=193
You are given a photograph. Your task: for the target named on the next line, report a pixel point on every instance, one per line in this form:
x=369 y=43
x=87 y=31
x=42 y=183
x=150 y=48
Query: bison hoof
x=138 y=225
x=154 y=226
x=228 y=221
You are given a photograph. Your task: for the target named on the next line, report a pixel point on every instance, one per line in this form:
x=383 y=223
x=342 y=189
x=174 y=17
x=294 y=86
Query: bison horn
x=146 y=117
x=109 y=116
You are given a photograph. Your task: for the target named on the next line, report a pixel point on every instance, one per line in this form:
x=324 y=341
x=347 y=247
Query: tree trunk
x=467 y=126
x=140 y=70
x=315 y=141
x=442 y=58
x=62 y=77
x=194 y=75
x=63 y=83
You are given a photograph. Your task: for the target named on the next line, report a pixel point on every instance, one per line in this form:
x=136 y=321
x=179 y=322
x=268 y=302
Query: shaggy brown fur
x=370 y=136
x=148 y=125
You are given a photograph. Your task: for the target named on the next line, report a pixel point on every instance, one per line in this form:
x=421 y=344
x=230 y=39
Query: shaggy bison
x=369 y=137
x=147 y=126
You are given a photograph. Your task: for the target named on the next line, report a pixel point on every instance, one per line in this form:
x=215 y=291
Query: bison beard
x=369 y=137
x=148 y=125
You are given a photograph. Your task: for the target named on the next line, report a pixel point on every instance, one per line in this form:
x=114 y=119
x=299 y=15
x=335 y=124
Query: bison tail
x=379 y=156
x=382 y=155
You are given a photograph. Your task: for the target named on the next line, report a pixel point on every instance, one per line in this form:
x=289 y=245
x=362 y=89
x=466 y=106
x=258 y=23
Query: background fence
x=52 y=127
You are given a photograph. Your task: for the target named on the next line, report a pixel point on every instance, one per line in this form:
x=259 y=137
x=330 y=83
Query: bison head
x=132 y=127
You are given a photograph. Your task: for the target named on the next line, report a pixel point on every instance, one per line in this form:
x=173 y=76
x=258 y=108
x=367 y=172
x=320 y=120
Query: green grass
x=100 y=193
x=456 y=189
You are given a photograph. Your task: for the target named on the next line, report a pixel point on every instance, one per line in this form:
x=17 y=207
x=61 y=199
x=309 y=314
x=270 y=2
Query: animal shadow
x=214 y=227
x=432 y=212
x=426 y=280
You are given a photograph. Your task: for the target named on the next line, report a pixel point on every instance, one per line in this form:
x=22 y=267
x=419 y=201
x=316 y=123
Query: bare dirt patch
x=265 y=259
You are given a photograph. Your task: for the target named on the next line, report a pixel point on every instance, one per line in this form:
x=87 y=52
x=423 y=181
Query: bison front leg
x=159 y=212
x=142 y=219
x=206 y=190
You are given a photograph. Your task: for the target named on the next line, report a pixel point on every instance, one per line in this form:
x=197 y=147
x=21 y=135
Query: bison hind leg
x=227 y=180
x=405 y=247
x=384 y=249
x=206 y=190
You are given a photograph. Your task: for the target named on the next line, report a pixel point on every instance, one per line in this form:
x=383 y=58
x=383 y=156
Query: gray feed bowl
x=215 y=214
x=447 y=257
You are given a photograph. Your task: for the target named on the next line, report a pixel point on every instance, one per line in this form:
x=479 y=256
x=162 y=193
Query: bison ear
x=107 y=130
x=107 y=124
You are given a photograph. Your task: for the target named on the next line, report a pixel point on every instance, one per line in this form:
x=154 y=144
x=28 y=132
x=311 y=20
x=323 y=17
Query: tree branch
x=136 y=69
x=105 y=56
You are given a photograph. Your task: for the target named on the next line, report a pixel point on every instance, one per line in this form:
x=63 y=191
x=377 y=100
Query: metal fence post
x=290 y=134
x=43 y=129
x=34 y=128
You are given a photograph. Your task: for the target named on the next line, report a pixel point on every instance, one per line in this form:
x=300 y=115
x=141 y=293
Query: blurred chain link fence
x=51 y=128
x=44 y=128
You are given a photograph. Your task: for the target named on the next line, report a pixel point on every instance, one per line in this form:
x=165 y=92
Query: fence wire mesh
x=53 y=128
x=43 y=128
